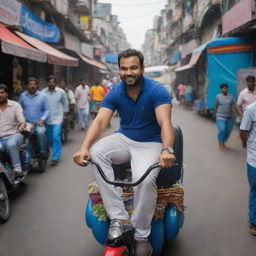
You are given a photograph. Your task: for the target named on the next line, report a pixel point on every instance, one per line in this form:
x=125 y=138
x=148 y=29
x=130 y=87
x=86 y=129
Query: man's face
x=62 y=84
x=32 y=87
x=83 y=82
x=3 y=96
x=224 y=90
x=131 y=71
x=250 y=84
x=51 y=84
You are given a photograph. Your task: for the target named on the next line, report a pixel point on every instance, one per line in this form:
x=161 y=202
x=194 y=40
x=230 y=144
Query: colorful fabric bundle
x=165 y=196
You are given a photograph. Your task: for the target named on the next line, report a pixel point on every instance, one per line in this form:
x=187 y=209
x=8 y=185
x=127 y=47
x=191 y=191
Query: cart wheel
x=100 y=230
x=88 y=214
x=156 y=237
x=173 y=221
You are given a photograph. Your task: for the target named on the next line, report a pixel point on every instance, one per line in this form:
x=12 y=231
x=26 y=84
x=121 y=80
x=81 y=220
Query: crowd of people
x=46 y=111
x=144 y=107
x=228 y=111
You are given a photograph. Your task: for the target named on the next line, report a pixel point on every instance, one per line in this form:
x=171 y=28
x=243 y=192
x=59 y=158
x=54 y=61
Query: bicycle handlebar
x=123 y=183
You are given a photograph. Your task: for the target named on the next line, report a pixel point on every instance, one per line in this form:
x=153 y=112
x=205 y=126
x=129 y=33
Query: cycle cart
x=169 y=214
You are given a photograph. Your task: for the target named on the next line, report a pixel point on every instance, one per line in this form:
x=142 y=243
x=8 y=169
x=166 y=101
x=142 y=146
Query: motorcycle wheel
x=41 y=165
x=5 y=209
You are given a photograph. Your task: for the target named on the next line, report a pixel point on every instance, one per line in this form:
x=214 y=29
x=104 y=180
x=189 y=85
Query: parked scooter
x=8 y=181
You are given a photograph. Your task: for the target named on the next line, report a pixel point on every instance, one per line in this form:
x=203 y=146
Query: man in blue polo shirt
x=36 y=111
x=145 y=136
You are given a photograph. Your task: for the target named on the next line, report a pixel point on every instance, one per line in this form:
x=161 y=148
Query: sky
x=136 y=17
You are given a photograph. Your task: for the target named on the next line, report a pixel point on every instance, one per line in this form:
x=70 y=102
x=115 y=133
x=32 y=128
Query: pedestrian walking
x=82 y=103
x=36 y=110
x=70 y=95
x=97 y=94
x=189 y=96
x=181 y=89
x=224 y=112
x=247 y=96
x=58 y=103
x=248 y=136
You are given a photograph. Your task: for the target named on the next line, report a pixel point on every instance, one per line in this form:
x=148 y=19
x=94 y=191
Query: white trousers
x=118 y=149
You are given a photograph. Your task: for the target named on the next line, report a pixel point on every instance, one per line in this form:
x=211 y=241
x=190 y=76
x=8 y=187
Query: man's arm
x=245 y=126
x=94 y=131
x=163 y=115
x=244 y=136
x=65 y=103
x=72 y=97
x=20 y=117
x=46 y=111
x=239 y=104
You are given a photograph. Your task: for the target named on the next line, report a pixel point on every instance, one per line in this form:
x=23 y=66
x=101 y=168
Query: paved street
x=48 y=213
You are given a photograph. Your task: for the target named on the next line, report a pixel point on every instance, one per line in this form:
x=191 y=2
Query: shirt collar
x=143 y=86
x=9 y=103
x=32 y=95
x=248 y=91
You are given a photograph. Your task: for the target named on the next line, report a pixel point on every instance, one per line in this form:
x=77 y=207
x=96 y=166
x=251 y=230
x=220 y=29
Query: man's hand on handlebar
x=166 y=159
x=40 y=123
x=80 y=156
x=22 y=127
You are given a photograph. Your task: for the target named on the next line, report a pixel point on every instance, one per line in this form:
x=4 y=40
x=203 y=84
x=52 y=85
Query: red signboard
x=237 y=16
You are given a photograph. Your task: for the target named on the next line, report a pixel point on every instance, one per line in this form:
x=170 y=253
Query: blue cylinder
x=156 y=237
x=88 y=214
x=173 y=221
x=100 y=230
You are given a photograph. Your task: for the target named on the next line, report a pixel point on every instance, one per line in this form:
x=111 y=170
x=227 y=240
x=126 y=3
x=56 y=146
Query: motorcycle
x=33 y=154
x=163 y=229
x=8 y=181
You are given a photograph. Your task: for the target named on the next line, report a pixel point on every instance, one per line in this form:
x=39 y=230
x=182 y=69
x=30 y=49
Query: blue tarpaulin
x=111 y=57
x=175 y=58
x=224 y=57
x=36 y=27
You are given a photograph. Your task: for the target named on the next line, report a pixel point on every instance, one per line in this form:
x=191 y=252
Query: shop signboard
x=10 y=12
x=38 y=28
x=72 y=43
x=87 y=50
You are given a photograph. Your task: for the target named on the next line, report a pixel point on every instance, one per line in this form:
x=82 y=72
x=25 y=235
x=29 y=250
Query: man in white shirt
x=248 y=135
x=82 y=103
x=247 y=96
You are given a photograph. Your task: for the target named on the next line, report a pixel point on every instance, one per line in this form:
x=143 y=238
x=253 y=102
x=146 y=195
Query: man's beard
x=137 y=80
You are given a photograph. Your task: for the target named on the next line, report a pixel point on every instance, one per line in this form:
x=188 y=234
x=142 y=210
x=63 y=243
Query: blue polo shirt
x=137 y=118
x=35 y=107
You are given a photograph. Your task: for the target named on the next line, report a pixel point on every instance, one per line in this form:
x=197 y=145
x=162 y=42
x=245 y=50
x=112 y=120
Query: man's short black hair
x=250 y=78
x=223 y=85
x=4 y=87
x=131 y=52
x=32 y=79
x=50 y=78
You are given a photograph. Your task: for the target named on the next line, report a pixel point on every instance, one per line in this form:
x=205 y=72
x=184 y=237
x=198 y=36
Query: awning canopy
x=94 y=63
x=13 y=45
x=54 y=56
x=194 y=58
